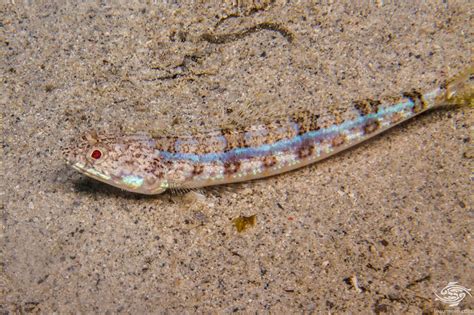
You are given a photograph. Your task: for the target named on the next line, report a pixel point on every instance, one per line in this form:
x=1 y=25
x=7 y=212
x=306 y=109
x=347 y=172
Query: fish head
x=128 y=162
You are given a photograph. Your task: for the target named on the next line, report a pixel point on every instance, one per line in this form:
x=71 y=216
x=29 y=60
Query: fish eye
x=96 y=154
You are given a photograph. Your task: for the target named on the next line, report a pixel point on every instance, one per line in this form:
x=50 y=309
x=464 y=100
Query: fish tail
x=459 y=90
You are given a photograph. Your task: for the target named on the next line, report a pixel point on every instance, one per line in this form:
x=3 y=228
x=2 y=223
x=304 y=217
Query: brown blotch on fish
x=306 y=121
x=338 y=140
x=278 y=131
x=269 y=161
x=337 y=114
x=305 y=151
x=129 y=162
x=170 y=147
x=231 y=167
x=417 y=99
x=396 y=117
x=155 y=163
x=159 y=173
x=198 y=169
x=366 y=107
x=168 y=163
x=371 y=126
x=234 y=138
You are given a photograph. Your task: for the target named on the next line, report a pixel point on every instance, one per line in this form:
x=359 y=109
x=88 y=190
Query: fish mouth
x=134 y=184
x=82 y=168
x=92 y=173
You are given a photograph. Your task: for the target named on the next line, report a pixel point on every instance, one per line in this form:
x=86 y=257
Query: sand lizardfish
x=150 y=165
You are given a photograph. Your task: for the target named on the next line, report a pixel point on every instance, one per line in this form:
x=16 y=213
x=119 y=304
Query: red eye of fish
x=96 y=154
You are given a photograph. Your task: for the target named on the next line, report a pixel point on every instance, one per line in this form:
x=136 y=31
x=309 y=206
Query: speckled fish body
x=238 y=155
x=150 y=165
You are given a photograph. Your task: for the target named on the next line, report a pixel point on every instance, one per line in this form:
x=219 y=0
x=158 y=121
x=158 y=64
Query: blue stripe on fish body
x=286 y=144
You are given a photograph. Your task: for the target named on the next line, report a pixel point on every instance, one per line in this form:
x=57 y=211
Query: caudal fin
x=459 y=89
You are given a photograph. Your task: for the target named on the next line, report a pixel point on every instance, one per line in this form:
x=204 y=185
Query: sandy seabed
x=376 y=229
